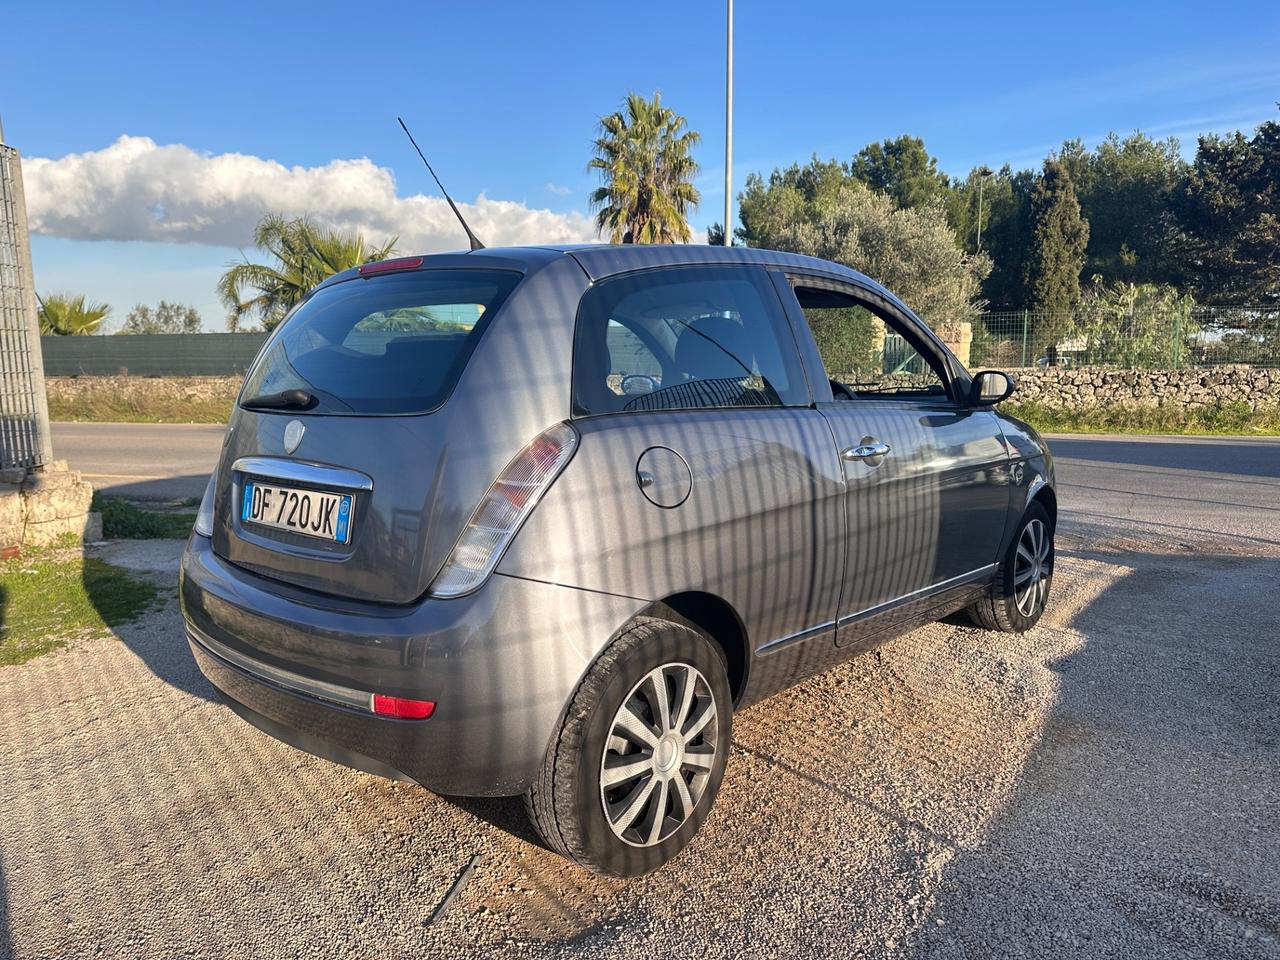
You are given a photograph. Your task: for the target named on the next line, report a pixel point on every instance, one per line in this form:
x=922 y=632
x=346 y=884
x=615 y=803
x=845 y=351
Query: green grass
x=104 y=399
x=1234 y=419
x=122 y=520
x=47 y=598
x=104 y=408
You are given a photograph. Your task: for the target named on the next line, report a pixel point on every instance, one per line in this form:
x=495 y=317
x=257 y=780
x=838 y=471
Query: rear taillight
x=402 y=708
x=508 y=501
x=204 y=515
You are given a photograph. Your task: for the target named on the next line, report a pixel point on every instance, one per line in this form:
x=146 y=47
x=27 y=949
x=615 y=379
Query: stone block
x=11 y=516
x=43 y=533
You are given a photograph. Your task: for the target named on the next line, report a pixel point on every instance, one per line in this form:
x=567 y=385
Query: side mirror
x=990 y=387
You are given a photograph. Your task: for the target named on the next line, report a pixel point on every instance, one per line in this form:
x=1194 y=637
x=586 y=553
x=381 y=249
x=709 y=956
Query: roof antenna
x=475 y=241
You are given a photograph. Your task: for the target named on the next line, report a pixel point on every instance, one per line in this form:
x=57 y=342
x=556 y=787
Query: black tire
x=1005 y=607
x=566 y=803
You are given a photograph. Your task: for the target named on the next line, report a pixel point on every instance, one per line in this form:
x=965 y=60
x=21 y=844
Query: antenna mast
x=471 y=237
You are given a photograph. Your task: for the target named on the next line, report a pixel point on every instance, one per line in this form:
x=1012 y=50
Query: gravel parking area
x=1107 y=785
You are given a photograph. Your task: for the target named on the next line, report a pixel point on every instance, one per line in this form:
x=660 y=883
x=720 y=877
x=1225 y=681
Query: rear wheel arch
x=716 y=619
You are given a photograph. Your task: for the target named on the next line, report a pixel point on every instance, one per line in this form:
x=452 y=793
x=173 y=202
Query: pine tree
x=1059 y=235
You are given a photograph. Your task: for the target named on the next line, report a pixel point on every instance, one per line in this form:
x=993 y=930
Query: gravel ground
x=1107 y=785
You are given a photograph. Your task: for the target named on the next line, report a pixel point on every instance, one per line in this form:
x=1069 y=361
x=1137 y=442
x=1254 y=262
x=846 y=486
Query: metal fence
x=152 y=354
x=24 y=411
x=1153 y=339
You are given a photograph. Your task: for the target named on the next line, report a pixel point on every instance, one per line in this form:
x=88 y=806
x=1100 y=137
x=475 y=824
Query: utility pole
x=983 y=173
x=728 y=130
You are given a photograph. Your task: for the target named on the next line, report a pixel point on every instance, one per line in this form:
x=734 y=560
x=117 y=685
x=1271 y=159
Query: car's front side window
x=684 y=338
x=867 y=351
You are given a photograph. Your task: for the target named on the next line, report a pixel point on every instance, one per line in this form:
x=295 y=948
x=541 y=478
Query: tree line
x=65 y=314
x=1132 y=210
x=1088 y=234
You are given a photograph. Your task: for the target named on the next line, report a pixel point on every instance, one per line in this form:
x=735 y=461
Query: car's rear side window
x=394 y=343
x=685 y=338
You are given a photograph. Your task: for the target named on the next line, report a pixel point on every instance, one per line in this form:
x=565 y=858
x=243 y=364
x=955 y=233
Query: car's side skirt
x=787 y=660
x=911 y=608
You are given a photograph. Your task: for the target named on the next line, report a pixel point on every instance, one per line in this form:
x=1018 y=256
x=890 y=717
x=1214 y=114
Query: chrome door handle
x=866 y=451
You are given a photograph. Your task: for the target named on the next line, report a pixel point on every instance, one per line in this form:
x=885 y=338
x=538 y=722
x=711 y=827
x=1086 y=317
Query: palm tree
x=305 y=254
x=643 y=155
x=64 y=315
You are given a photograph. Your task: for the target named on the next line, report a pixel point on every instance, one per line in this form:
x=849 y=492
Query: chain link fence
x=152 y=355
x=1147 y=339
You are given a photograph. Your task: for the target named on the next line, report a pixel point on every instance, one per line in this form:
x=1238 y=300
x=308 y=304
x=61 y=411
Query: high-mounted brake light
x=388 y=266
x=402 y=708
x=507 y=502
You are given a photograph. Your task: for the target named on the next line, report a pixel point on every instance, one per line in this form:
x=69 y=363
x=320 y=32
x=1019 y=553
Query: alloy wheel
x=1033 y=564
x=659 y=755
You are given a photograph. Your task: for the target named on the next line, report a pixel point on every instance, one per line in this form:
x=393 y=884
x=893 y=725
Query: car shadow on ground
x=158 y=637
x=6 y=941
x=185 y=487
x=159 y=640
x=1144 y=819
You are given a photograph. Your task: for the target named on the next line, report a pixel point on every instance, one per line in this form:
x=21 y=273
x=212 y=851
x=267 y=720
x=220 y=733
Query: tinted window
x=395 y=343
x=867 y=351
x=685 y=338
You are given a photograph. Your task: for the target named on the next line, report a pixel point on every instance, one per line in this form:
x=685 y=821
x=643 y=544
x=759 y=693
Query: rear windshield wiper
x=284 y=400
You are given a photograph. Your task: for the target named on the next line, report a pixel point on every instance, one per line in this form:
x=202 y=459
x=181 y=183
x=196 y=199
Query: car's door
x=927 y=473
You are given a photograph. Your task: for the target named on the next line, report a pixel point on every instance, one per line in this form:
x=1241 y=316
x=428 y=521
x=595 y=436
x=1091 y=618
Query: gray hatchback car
x=539 y=520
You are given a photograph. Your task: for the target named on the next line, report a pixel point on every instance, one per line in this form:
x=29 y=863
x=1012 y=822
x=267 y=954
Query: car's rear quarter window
x=387 y=344
x=684 y=338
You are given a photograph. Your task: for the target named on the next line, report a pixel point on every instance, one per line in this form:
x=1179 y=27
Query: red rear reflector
x=402 y=708
x=386 y=266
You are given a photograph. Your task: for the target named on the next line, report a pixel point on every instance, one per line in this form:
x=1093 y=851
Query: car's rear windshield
x=389 y=344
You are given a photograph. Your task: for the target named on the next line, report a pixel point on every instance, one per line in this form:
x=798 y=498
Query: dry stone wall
x=1080 y=388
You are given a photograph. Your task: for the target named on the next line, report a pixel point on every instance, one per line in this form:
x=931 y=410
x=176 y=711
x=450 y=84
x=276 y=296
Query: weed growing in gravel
x=122 y=520
x=49 y=597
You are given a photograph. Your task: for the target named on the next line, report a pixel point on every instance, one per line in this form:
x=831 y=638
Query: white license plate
x=326 y=516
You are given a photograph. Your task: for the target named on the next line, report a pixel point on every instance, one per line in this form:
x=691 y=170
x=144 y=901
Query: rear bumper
x=499 y=664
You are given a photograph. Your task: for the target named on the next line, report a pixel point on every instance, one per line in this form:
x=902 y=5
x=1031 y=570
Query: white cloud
x=136 y=189
x=558 y=189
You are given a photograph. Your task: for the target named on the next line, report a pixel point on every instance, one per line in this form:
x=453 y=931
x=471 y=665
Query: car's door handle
x=866 y=451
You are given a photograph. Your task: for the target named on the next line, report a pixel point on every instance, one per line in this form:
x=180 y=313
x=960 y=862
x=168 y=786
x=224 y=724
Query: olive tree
x=1136 y=325
x=829 y=214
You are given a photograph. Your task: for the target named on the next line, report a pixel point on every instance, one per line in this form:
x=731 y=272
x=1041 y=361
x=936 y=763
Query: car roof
x=602 y=260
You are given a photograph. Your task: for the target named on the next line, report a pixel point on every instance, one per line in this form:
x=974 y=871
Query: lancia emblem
x=293 y=435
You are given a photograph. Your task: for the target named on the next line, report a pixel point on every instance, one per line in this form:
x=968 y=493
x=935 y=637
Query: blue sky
x=504 y=97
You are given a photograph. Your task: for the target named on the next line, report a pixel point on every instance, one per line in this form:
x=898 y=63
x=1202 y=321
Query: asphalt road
x=146 y=461
x=1182 y=486
x=1107 y=785
x=1202 y=486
